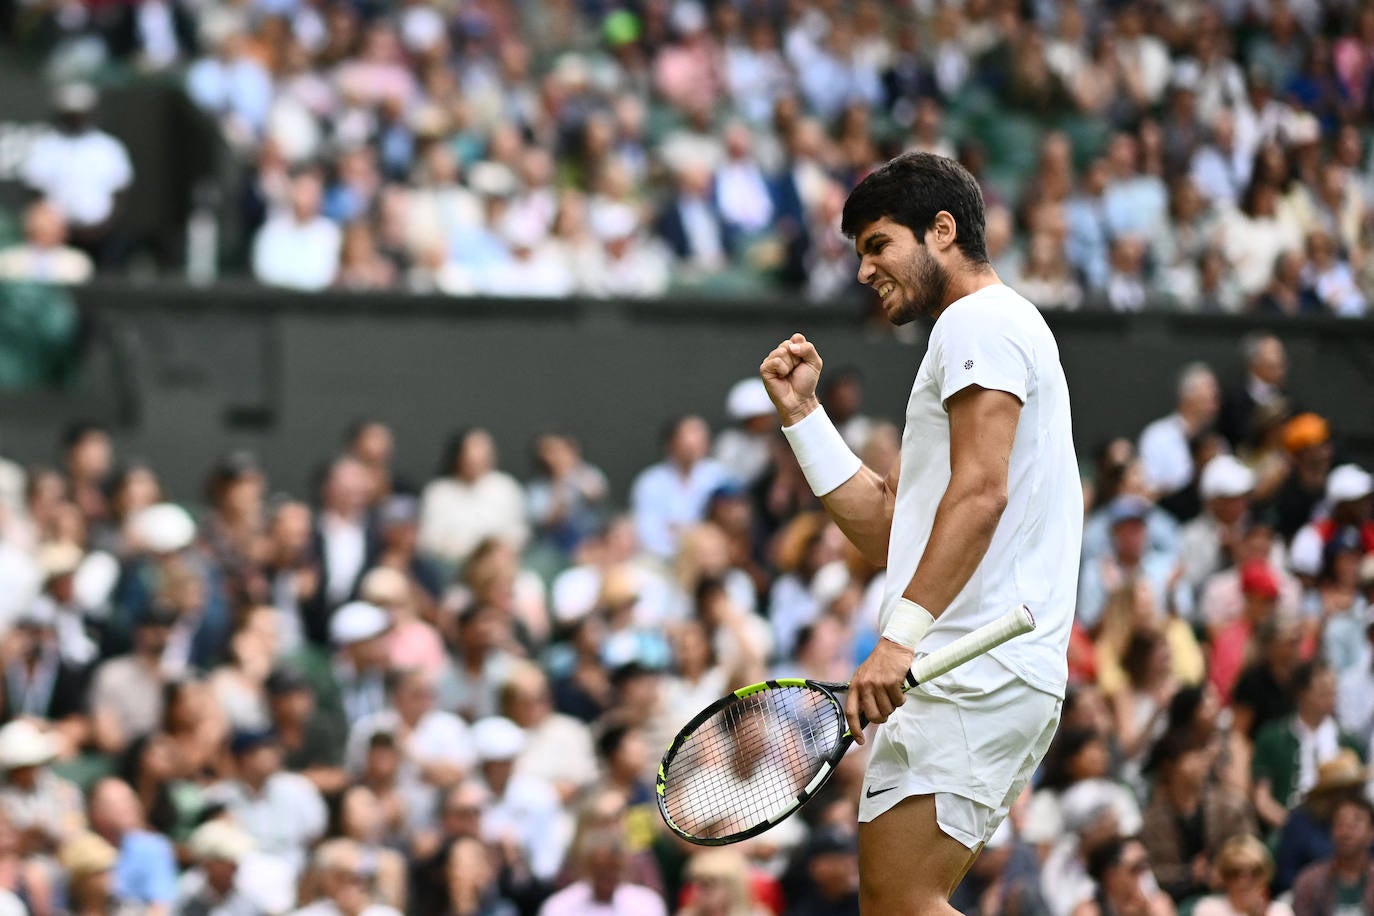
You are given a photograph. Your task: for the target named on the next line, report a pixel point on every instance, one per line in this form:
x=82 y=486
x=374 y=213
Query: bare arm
x=862 y=505
x=982 y=429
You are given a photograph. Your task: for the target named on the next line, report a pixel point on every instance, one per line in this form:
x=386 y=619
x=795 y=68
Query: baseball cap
x=250 y=740
x=357 y=622
x=748 y=398
x=1347 y=483
x=164 y=528
x=1305 y=431
x=1344 y=540
x=1257 y=578
x=1128 y=508
x=497 y=738
x=1225 y=476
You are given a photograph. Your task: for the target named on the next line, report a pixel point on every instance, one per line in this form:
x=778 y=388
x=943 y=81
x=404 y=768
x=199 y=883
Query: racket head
x=751 y=759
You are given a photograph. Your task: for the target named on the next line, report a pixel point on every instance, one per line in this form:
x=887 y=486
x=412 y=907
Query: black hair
x=611 y=740
x=1107 y=855
x=1184 y=706
x=1135 y=658
x=1305 y=674
x=79 y=430
x=1067 y=744
x=910 y=190
x=453 y=450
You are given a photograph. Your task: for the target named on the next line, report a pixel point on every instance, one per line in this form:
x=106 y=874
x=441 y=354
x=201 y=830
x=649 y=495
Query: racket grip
x=970 y=646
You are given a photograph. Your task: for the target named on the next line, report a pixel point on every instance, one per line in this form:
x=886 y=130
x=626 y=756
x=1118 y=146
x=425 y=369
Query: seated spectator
x=1233 y=640
x=668 y=496
x=1127 y=288
x=471 y=882
x=126 y=691
x=1355 y=694
x=312 y=745
x=44 y=256
x=1306 y=835
x=43 y=686
x=1164 y=453
x=525 y=810
x=1253 y=237
x=80 y=169
x=281 y=810
x=344 y=880
x=88 y=862
x=43 y=807
x=1223 y=596
x=472 y=500
x=567 y=499
x=1289 y=750
x=298 y=248
x=1209 y=542
x=233 y=85
x=1124 y=881
x=1264 y=690
x=413 y=641
x=1350 y=502
x=1129 y=561
x=1307 y=439
x=146 y=870
x=360 y=817
x=558 y=748
x=1330 y=278
x=1046 y=279
x=692 y=225
x=213 y=883
x=1189 y=817
x=601 y=863
x=1339 y=606
x=1140 y=705
x=1345 y=881
x=1245 y=868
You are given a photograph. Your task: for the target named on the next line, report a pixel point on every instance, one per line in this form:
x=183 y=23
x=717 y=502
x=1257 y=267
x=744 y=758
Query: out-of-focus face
x=836 y=873
x=91 y=456
x=1129 y=537
x=1352 y=831
x=291 y=526
x=478 y=456
x=691 y=441
x=348 y=488
x=1270 y=363
x=306 y=193
x=44 y=225
x=1319 y=700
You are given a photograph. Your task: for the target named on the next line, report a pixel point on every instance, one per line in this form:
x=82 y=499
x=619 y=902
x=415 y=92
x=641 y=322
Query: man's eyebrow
x=866 y=246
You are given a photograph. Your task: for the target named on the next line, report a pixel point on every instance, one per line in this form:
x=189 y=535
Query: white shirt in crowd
x=297 y=255
x=284 y=819
x=345 y=555
x=530 y=811
x=1165 y=459
x=559 y=749
x=80 y=173
x=43 y=264
x=438 y=738
x=996 y=339
x=457 y=515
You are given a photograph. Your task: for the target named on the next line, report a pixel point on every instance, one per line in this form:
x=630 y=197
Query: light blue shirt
x=146 y=870
x=1156 y=567
x=664 y=501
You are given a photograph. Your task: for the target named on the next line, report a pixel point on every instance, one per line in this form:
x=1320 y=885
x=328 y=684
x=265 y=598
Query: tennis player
x=983 y=513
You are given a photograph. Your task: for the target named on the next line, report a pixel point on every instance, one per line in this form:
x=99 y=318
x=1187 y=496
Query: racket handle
x=970 y=646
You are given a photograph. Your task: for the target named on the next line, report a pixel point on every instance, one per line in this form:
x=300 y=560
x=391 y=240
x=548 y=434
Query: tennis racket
x=753 y=758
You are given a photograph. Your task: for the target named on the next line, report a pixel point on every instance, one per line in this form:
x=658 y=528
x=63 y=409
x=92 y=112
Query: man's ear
x=943 y=231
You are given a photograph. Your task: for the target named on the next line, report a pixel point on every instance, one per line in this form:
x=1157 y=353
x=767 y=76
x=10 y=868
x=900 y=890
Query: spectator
x=214 y=886
x=298 y=248
x=81 y=170
x=1345 y=881
x=1210 y=542
x=1307 y=440
x=558 y=748
x=1331 y=279
x=345 y=537
x=146 y=870
x=88 y=862
x=567 y=500
x=525 y=812
x=311 y=744
x=471 y=501
x=413 y=642
x=1128 y=560
x=345 y=881
x=1164 y=453
x=471 y=882
x=1120 y=869
x=744 y=448
x=1306 y=835
x=43 y=807
x=282 y=811
x=233 y=85
x=41 y=686
x=670 y=495
x=1288 y=751
x=353 y=684
x=692 y=226
x=1245 y=868
x=1266 y=374
x=603 y=887
x=126 y=691
x=1189 y=817
x=1350 y=500
x=44 y=257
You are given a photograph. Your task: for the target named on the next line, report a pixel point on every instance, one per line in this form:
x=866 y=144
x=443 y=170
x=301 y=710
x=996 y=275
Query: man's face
x=836 y=873
x=1351 y=830
x=1319 y=700
x=691 y=442
x=909 y=282
x=1129 y=536
x=1271 y=362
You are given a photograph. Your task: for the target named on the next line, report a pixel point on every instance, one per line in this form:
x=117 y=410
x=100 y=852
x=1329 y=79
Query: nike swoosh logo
x=870 y=792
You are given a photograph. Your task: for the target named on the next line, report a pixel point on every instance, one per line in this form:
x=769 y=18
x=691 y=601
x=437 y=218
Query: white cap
x=164 y=528
x=748 y=398
x=1225 y=476
x=1348 y=482
x=688 y=17
x=220 y=839
x=575 y=593
x=59 y=558
x=829 y=582
x=357 y=622
x=497 y=738
x=23 y=745
x=492 y=179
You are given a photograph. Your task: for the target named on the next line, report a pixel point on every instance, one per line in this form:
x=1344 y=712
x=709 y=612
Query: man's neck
x=1350 y=869
x=1310 y=723
x=965 y=282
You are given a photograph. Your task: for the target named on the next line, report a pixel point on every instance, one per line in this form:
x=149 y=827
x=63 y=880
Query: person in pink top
x=603 y=890
x=412 y=643
x=1259 y=588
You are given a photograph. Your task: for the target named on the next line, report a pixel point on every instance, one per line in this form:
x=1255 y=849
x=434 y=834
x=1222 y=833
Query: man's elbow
x=985 y=500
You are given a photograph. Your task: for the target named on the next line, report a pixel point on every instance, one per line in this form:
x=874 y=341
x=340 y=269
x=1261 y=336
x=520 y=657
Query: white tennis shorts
x=972 y=738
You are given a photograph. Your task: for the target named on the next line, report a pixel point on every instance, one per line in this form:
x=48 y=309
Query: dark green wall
x=185 y=374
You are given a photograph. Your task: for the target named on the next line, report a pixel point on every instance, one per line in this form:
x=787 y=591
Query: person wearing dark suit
x=691 y=224
x=345 y=540
x=1266 y=370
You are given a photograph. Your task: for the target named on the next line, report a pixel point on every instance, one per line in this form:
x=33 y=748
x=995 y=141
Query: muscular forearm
x=963 y=529
x=862 y=508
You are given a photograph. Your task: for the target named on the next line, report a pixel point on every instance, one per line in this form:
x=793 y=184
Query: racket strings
x=748 y=763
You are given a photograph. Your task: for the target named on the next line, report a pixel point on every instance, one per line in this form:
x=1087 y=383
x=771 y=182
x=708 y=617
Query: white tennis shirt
x=996 y=339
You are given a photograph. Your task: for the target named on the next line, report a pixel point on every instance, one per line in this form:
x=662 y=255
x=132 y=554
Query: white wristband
x=907 y=623
x=821 y=451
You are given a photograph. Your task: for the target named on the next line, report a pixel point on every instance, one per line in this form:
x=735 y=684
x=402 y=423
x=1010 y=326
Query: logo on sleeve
x=968 y=364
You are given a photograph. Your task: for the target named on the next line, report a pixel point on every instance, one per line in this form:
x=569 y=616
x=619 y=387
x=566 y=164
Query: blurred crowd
x=449 y=695
x=1187 y=155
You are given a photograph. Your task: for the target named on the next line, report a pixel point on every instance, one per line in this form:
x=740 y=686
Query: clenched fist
x=790 y=374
